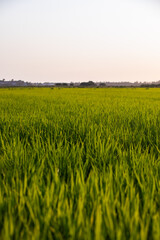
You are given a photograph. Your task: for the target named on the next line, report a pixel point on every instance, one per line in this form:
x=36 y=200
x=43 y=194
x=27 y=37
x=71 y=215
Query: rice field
x=79 y=164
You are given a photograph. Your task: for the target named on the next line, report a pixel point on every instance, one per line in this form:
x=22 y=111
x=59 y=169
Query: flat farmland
x=79 y=163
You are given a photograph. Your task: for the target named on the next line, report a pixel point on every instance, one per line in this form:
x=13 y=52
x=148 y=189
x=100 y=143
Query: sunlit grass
x=79 y=164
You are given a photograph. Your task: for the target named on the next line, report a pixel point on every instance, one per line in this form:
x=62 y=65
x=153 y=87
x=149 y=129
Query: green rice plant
x=79 y=164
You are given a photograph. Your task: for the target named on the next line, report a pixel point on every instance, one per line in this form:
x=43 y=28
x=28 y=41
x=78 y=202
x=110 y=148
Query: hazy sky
x=80 y=40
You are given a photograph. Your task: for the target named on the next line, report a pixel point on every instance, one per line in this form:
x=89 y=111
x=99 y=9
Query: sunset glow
x=98 y=40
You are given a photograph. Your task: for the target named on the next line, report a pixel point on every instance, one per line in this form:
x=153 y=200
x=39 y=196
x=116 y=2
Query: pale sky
x=80 y=40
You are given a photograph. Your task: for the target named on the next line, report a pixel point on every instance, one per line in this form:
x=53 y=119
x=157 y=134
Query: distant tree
x=71 y=84
x=102 y=85
x=88 y=84
x=61 y=84
x=58 y=84
x=64 y=84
